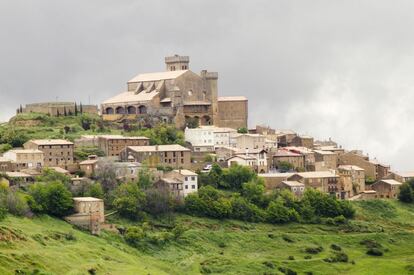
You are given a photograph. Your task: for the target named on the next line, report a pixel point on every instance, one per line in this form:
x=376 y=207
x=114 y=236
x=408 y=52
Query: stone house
x=325 y=160
x=6 y=165
x=178 y=96
x=302 y=141
x=224 y=153
x=372 y=169
x=243 y=160
x=89 y=213
x=112 y=145
x=401 y=176
x=387 y=188
x=282 y=155
x=297 y=188
x=25 y=159
x=285 y=137
x=273 y=180
x=357 y=176
x=19 y=178
x=308 y=154
x=56 y=152
x=89 y=166
x=324 y=181
x=248 y=141
x=172 y=155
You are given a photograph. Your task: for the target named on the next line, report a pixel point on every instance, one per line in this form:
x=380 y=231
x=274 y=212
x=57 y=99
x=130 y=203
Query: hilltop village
x=216 y=136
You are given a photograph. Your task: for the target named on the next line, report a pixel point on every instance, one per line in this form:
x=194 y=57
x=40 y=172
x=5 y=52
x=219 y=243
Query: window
x=186 y=178
x=193 y=186
x=193 y=178
x=186 y=186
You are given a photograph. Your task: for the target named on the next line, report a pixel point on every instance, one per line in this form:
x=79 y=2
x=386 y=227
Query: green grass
x=217 y=247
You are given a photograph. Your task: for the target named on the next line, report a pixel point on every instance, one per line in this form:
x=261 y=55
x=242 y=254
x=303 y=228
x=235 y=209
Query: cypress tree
x=76 y=109
x=64 y=111
x=81 y=108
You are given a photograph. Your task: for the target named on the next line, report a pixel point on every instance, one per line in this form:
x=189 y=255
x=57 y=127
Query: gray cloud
x=339 y=69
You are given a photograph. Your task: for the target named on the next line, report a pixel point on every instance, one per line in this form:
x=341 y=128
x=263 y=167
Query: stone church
x=177 y=96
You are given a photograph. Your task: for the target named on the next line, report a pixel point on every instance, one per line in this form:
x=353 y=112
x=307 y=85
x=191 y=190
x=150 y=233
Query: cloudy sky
x=340 y=69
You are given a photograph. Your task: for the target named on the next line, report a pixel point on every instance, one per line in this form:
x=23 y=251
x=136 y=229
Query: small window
x=190 y=92
x=186 y=186
x=193 y=186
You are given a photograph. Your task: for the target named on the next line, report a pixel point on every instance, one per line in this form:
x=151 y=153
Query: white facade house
x=190 y=181
x=248 y=141
x=208 y=138
x=254 y=158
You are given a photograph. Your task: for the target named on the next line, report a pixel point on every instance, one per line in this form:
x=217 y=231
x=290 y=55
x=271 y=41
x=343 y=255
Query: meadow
x=45 y=245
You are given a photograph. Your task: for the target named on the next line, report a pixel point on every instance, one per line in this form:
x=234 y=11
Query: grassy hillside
x=218 y=247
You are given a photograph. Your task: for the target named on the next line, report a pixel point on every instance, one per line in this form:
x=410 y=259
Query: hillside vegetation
x=44 y=245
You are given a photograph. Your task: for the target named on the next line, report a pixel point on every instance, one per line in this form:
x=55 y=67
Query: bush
x=314 y=250
x=278 y=213
x=243 y=210
x=287 y=271
x=291 y=258
x=307 y=257
x=336 y=247
x=130 y=201
x=374 y=252
x=338 y=257
x=269 y=264
x=134 y=236
x=288 y=239
x=51 y=198
x=406 y=193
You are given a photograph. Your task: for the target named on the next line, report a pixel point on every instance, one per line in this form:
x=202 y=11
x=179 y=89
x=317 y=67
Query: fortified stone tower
x=210 y=80
x=177 y=62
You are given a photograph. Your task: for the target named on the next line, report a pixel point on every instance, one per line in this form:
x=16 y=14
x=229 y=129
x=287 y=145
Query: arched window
x=142 y=109
x=109 y=110
x=131 y=110
x=120 y=110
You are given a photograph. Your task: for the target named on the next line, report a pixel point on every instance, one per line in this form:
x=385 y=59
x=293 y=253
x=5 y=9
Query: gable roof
x=50 y=142
x=390 y=182
x=131 y=97
x=157 y=76
x=158 y=148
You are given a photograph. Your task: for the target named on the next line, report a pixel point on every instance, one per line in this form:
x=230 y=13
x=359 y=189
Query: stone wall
x=233 y=114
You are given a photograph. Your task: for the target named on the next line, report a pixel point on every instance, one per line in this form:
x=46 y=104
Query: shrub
x=291 y=258
x=135 y=236
x=307 y=257
x=246 y=211
x=269 y=264
x=287 y=271
x=374 y=252
x=314 y=250
x=406 y=193
x=130 y=201
x=51 y=198
x=337 y=257
x=336 y=247
x=288 y=239
x=278 y=213
x=370 y=243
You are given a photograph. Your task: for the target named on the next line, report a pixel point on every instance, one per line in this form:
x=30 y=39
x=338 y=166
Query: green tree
x=242 y=130
x=236 y=175
x=278 y=213
x=95 y=190
x=50 y=198
x=130 y=201
x=254 y=191
x=406 y=193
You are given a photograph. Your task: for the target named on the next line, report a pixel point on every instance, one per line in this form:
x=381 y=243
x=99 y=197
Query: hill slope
x=212 y=246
